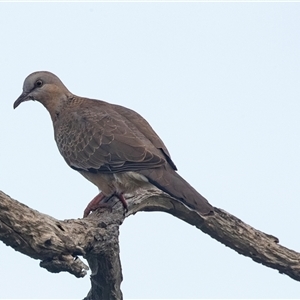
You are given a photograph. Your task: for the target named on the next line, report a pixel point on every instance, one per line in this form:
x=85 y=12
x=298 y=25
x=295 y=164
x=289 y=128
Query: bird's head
x=46 y=88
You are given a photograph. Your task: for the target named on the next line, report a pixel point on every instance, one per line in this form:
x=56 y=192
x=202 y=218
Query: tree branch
x=59 y=243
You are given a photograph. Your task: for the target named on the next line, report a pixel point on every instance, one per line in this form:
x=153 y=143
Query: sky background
x=219 y=82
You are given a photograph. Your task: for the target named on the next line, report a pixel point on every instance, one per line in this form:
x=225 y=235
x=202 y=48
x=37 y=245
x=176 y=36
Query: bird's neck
x=55 y=105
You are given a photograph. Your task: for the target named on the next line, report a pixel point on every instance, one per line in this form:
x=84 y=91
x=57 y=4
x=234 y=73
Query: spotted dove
x=112 y=146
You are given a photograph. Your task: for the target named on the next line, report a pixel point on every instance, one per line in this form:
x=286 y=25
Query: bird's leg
x=122 y=199
x=94 y=204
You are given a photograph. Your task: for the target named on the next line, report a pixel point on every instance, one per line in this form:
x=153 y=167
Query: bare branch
x=261 y=247
x=59 y=243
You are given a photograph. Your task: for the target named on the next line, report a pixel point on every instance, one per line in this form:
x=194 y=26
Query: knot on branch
x=65 y=263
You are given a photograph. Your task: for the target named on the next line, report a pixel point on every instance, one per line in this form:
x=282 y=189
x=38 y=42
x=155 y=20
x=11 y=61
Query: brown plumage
x=110 y=145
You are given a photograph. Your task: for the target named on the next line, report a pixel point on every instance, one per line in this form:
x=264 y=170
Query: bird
x=112 y=146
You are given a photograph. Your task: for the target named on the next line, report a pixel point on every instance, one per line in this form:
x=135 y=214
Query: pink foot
x=122 y=199
x=94 y=204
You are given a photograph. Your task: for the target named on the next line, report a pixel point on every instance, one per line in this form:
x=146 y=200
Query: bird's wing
x=136 y=120
x=96 y=138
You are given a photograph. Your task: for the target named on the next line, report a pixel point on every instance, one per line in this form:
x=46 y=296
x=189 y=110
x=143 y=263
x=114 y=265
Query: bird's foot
x=97 y=202
x=122 y=199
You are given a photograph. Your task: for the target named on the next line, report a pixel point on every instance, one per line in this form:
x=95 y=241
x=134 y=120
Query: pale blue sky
x=219 y=82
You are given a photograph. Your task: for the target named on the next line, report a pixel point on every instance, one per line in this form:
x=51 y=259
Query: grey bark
x=58 y=244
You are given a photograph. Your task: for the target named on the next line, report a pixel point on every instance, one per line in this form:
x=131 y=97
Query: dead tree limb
x=59 y=243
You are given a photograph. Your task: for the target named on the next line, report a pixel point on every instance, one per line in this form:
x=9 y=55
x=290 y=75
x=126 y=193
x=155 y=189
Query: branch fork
x=59 y=244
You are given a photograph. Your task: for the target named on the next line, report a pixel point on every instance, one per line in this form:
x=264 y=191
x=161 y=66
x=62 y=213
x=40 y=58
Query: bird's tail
x=172 y=183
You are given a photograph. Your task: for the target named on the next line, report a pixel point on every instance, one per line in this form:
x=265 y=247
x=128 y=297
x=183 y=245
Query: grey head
x=46 y=88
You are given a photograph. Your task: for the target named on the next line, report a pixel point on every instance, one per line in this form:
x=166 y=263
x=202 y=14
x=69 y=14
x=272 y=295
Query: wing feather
x=101 y=140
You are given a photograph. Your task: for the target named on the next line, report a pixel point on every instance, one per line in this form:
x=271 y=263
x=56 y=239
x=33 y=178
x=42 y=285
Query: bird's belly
x=123 y=182
x=128 y=182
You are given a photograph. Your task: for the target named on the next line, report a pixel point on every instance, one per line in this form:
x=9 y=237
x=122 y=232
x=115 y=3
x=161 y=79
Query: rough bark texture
x=59 y=243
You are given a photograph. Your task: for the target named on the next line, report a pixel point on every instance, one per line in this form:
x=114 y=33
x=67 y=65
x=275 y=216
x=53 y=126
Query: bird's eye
x=39 y=83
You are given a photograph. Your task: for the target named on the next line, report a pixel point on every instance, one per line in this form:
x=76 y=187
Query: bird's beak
x=24 y=97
